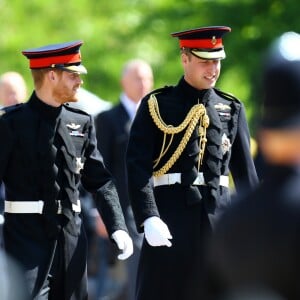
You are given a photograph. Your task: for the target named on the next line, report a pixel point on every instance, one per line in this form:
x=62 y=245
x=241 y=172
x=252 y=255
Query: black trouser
x=53 y=288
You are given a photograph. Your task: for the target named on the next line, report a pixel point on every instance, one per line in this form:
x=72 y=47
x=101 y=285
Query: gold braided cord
x=202 y=138
x=163 y=150
x=170 y=129
x=195 y=115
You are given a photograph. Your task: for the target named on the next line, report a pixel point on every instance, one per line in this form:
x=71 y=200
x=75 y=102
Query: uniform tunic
x=47 y=151
x=189 y=211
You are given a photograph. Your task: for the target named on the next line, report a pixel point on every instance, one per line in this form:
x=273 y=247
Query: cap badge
x=213 y=40
x=2 y=112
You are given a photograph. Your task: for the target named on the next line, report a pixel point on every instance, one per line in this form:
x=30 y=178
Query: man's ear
x=184 y=58
x=51 y=75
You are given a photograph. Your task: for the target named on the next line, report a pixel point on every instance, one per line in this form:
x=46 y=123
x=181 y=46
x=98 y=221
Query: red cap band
x=212 y=43
x=45 y=62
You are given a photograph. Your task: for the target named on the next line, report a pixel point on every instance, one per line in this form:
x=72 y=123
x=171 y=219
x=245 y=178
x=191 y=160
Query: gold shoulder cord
x=195 y=115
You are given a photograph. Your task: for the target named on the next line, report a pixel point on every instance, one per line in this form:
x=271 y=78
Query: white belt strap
x=24 y=207
x=224 y=181
x=76 y=207
x=167 y=179
x=172 y=178
x=33 y=207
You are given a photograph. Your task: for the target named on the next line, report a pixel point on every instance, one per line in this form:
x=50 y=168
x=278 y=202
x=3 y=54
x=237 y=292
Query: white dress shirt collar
x=129 y=105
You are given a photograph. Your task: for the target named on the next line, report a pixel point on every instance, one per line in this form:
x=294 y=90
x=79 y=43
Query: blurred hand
x=124 y=243
x=157 y=232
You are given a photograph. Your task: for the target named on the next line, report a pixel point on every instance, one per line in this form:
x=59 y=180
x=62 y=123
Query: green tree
x=114 y=31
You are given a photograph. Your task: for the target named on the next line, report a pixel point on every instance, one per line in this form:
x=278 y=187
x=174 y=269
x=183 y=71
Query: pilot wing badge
x=74 y=129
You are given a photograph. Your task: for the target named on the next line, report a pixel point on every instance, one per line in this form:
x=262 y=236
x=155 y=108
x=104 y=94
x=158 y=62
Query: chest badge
x=74 y=129
x=223 y=107
x=79 y=165
x=73 y=126
x=226 y=145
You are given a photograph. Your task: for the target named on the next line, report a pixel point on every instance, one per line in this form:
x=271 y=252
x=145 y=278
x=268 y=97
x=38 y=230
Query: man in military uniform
x=255 y=251
x=49 y=147
x=184 y=141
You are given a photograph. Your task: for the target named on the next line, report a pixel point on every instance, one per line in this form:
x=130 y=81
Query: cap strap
x=212 y=43
x=44 y=62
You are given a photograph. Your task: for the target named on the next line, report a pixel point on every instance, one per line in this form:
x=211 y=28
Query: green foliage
x=115 y=31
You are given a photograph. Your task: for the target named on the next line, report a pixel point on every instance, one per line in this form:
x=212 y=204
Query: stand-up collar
x=47 y=111
x=189 y=92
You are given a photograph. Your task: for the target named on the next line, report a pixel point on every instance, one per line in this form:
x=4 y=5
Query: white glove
x=157 y=232
x=124 y=243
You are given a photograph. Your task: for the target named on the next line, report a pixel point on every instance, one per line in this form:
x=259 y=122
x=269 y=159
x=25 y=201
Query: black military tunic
x=189 y=210
x=45 y=153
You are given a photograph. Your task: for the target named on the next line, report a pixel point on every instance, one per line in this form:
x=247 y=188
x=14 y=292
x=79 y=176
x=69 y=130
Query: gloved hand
x=124 y=243
x=157 y=232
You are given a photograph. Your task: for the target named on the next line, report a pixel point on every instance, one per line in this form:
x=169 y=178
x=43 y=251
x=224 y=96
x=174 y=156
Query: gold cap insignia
x=213 y=40
x=2 y=112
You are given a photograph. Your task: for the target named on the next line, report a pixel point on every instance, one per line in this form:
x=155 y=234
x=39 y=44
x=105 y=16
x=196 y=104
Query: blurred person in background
x=13 y=89
x=112 y=131
x=255 y=252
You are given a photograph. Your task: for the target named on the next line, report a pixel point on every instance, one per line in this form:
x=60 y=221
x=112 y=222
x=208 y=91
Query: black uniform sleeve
x=241 y=164
x=139 y=161
x=98 y=181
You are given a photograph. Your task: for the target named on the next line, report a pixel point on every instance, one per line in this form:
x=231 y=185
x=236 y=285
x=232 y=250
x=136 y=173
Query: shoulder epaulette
x=162 y=90
x=75 y=109
x=158 y=91
x=11 y=108
x=226 y=95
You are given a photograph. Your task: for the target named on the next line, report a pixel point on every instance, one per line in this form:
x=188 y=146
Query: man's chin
x=72 y=100
x=75 y=98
